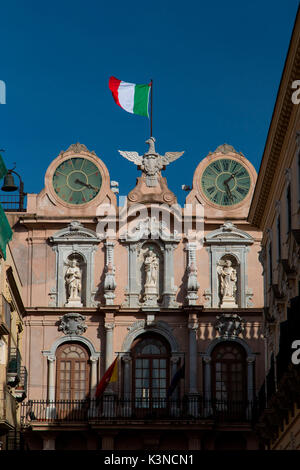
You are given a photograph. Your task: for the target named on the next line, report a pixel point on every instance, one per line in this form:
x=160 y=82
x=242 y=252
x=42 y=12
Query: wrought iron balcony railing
x=14 y=367
x=113 y=408
x=12 y=203
x=20 y=391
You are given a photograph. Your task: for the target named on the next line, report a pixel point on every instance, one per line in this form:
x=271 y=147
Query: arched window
x=229 y=379
x=151 y=363
x=72 y=372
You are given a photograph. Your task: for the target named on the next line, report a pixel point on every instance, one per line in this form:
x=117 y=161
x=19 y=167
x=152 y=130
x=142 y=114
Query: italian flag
x=131 y=97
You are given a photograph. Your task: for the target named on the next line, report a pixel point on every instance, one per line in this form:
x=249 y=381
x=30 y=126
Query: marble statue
x=73 y=281
x=151 y=269
x=228 y=283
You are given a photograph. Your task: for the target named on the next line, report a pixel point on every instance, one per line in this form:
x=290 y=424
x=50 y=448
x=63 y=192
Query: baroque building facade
x=275 y=210
x=160 y=287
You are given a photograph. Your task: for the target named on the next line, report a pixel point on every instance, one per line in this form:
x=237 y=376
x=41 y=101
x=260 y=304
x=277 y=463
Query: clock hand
x=228 y=192
x=232 y=176
x=90 y=186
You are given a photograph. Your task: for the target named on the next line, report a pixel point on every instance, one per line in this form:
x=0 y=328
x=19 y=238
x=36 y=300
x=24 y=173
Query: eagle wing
x=132 y=157
x=170 y=157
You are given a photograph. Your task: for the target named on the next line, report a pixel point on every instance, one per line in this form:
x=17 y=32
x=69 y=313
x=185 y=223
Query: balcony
x=14 y=367
x=277 y=400
x=5 y=321
x=20 y=391
x=12 y=203
x=191 y=409
x=7 y=411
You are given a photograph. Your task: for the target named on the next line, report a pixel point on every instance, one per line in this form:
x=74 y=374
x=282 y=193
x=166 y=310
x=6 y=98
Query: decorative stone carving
x=74 y=242
x=229 y=325
x=226 y=148
x=72 y=324
x=52 y=297
x=207 y=296
x=77 y=148
x=249 y=295
x=229 y=242
x=192 y=283
x=73 y=284
x=164 y=243
x=151 y=162
x=228 y=283
x=151 y=228
x=109 y=281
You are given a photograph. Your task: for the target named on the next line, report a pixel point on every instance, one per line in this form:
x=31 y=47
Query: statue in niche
x=228 y=283
x=151 y=268
x=73 y=283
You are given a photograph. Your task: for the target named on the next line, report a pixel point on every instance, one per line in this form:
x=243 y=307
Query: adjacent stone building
x=275 y=210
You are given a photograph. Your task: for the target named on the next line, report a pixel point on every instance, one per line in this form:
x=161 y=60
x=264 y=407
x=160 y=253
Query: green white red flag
x=131 y=97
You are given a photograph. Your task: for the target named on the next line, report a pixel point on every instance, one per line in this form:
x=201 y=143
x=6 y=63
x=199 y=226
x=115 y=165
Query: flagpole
x=151 y=108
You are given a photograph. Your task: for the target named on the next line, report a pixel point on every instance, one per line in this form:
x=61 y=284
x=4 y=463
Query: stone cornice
x=277 y=131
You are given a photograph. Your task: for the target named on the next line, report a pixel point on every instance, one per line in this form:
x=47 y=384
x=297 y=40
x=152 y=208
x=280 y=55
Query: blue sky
x=216 y=68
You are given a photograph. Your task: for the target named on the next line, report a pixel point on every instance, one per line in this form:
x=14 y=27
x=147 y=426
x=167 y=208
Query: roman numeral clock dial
x=225 y=182
x=77 y=181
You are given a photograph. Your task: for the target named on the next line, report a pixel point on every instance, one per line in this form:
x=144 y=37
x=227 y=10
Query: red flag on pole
x=109 y=376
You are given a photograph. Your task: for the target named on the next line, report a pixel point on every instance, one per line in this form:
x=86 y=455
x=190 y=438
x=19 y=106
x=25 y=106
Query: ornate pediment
x=229 y=234
x=74 y=232
x=150 y=228
x=226 y=148
x=78 y=148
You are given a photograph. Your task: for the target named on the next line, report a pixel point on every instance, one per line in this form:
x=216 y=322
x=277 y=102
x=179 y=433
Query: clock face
x=225 y=182
x=77 y=181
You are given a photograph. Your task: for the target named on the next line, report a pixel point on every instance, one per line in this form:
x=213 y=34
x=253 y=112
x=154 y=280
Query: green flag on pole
x=3 y=169
x=5 y=232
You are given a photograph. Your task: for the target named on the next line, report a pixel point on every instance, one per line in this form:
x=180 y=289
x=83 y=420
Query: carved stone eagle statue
x=151 y=162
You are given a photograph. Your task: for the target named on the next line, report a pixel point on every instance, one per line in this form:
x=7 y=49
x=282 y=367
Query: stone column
x=93 y=385
x=127 y=376
x=250 y=391
x=127 y=405
x=193 y=357
x=109 y=396
x=51 y=411
x=168 y=287
x=133 y=288
x=193 y=391
x=109 y=357
x=51 y=378
x=175 y=395
x=207 y=386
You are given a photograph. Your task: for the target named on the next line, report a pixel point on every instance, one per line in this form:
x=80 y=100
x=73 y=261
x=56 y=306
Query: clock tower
x=224 y=182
